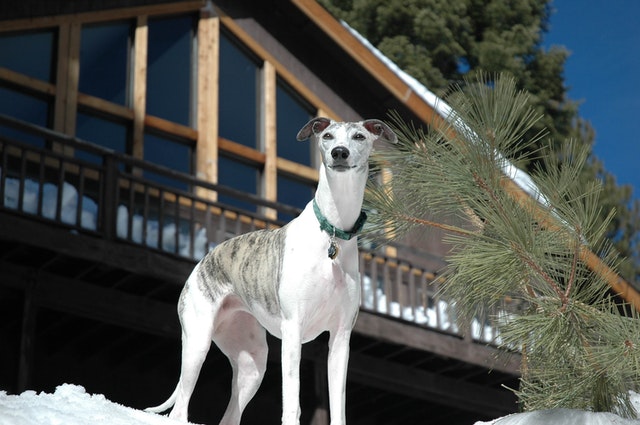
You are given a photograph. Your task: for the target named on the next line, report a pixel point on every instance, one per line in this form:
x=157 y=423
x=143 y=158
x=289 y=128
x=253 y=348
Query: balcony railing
x=88 y=189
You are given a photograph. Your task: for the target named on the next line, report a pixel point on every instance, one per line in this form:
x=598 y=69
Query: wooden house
x=135 y=135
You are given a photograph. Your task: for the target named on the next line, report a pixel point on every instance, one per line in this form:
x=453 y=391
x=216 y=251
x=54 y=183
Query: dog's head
x=345 y=145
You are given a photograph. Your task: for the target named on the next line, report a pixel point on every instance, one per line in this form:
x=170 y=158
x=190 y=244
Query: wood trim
x=171 y=127
x=295 y=169
x=281 y=70
x=242 y=152
x=139 y=101
x=370 y=62
x=207 y=101
x=101 y=15
x=27 y=82
x=62 y=70
x=269 y=144
x=105 y=106
x=73 y=79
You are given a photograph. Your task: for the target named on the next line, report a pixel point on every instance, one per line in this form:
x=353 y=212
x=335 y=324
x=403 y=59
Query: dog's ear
x=314 y=126
x=379 y=128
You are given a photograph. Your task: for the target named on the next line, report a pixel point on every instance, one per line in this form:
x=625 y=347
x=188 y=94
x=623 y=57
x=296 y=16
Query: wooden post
x=139 y=99
x=207 y=100
x=27 y=341
x=270 y=174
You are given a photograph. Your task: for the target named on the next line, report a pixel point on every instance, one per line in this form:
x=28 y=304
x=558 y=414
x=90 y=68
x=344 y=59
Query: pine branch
x=577 y=349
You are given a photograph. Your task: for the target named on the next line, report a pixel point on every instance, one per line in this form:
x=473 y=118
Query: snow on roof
x=521 y=178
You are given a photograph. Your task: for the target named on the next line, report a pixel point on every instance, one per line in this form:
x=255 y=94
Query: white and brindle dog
x=296 y=282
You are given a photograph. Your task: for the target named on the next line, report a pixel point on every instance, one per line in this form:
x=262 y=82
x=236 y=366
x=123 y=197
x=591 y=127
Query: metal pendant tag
x=333 y=249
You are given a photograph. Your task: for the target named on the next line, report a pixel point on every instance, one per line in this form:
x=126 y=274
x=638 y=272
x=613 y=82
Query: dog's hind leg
x=197 y=319
x=244 y=341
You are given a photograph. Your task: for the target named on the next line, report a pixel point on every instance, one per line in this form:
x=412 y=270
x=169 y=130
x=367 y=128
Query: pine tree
x=440 y=42
x=519 y=258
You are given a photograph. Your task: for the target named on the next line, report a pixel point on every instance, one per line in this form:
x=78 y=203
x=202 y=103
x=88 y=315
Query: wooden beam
x=28 y=337
x=369 y=61
x=27 y=82
x=207 y=101
x=132 y=258
x=422 y=338
x=268 y=109
x=433 y=387
x=101 y=15
x=282 y=71
x=106 y=305
x=139 y=100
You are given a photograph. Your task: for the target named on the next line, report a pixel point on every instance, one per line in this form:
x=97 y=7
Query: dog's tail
x=166 y=405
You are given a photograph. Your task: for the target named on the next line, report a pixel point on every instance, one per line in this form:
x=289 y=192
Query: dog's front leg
x=291 y=352
x=337 y=373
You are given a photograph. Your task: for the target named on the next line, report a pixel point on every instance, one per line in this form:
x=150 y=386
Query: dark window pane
x=238 y=116
x=26 y=108
x=104 y=53
x=169 y=69
x=294 y=193
x=29 y=53
x=102 y=132
x=168 y=153
x=291 y=115
x=238 y=176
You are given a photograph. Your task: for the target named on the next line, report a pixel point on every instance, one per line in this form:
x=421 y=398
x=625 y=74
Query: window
x=24 y=104
x=239 y=176
x=169 y=69
x=292 y=113
x=106 y=133
x=104 y=61
x=29 y=53
x=169 y=153
x=238 y=91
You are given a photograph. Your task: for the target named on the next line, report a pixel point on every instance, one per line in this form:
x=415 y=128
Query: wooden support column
x=270 y=174
x=27 y=340
x=207 y=100
x=68 y=74
x=139 y=92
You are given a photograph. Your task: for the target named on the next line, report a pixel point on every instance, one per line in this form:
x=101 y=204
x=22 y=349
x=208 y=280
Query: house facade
x=137 y=134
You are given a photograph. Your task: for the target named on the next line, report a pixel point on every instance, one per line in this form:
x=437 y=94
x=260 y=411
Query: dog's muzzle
x=340 y=156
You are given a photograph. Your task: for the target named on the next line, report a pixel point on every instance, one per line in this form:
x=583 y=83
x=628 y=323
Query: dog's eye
x=327 y=136
x=358 y=136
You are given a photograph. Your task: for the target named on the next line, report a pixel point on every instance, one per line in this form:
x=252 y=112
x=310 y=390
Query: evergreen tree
x=578 y=350
x=439 y=42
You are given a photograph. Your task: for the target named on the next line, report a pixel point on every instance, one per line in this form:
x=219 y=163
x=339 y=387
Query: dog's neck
x=339 y=195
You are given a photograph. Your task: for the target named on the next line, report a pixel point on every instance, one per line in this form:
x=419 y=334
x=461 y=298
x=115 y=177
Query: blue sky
x=603 y=72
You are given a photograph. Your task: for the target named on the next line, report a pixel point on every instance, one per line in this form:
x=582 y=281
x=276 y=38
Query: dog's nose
x=340 y=152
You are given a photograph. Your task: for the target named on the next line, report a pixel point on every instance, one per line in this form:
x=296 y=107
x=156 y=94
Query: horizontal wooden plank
x=171 y=127
x=102 y=15
x=27 y=82
x=422 y=338
x=104 y=106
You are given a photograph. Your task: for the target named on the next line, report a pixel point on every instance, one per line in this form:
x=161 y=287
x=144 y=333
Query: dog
x=295 y=282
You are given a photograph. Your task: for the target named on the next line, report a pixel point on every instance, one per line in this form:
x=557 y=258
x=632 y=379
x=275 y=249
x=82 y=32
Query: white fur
x=314 y=293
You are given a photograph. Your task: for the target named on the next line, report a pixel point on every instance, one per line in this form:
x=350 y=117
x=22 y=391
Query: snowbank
x=71 y=405
x=561 y=417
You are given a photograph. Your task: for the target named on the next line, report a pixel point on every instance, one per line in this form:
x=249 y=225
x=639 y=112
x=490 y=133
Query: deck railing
x=89 y=189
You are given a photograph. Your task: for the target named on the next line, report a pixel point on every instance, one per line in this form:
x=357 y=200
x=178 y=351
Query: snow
x=561 y=417
x=71 y=405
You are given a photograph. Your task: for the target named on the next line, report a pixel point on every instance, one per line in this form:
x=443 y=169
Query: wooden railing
x=90 y=189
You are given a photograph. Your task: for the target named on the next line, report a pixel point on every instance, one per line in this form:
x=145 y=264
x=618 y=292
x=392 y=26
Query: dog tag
x=333 y=249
